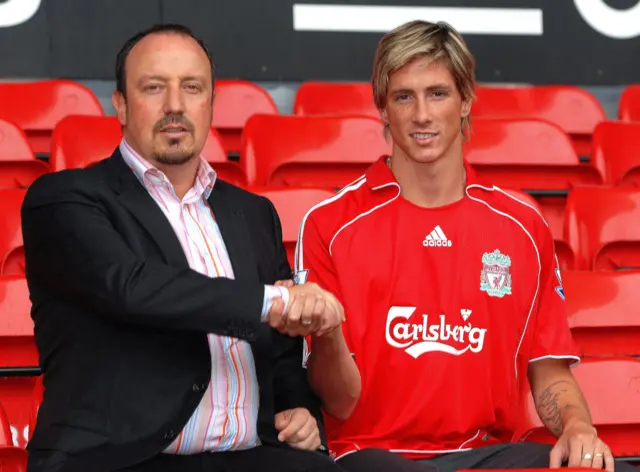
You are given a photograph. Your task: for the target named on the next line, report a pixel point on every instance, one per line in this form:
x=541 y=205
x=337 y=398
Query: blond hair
x=437 y=41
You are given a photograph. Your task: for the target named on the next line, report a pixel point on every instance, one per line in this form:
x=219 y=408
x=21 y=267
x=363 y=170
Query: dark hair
x=121 y=58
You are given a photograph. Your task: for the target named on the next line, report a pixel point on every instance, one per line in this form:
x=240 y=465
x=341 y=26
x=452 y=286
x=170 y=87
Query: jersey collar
x=380 y=176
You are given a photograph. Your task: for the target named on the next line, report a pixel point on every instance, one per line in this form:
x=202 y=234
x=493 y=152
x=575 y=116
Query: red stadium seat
x=602 y=228
x=616 y=152
x=11 y=231
x=13 y=459
x=325 y=98
x=292 y=204
x=563 y=250
x=80 y=141
x=310 y=151
x=17 y=346
x=604 y=313
x=235 y=102
x=532 y=156
x=18 y=356
x=615 y=408
x=573 y=109
x=18 y=165
x=36 y=107
x=629 y=108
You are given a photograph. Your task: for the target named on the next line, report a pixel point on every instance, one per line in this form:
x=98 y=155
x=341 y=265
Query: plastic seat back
x=327 y=98
x=36 y=107
x=310 y=151
x=235 y=102
x=602 y=228
x=529 y=155
x=18 y=165
x=81 y=141
x=292 y=204
x=11 y=230
x=629 y=107
x=572 y=108
x=616 y=152
x=603 y=311
x=615 y=409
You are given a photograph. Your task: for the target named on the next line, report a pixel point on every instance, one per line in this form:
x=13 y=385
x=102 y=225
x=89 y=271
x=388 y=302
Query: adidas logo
x=436 y=239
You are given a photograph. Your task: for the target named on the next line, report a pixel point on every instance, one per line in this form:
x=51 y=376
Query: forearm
x=559 y=401
x=333 y=374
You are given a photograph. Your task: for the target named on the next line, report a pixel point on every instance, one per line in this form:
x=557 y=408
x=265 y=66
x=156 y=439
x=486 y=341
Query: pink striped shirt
x=226 y=418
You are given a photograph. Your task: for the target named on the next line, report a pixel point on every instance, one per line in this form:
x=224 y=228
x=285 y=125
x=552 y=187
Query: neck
x=432 y=184
x=181 y=176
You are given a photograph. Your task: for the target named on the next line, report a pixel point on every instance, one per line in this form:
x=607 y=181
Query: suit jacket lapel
x=235 y=233
x=137 y=200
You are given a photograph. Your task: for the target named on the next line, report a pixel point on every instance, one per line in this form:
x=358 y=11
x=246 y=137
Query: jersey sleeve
x=551 y=336
x=313 y=263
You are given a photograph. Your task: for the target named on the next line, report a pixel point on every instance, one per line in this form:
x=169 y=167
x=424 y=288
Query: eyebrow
x=431 y=88
x=164 y=79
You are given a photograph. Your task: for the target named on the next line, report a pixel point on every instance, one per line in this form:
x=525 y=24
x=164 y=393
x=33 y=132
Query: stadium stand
x=18 y=164
x=616 y=153
x=573 y=109
x=80 y=141
x=11 y=231
x=310 y=151
x=603 y=312
x=36 y=107
x=629 y=107
x=235 y=102
x=328 y=98
x=615 y=410
x=292 y=204
x=18 y=356
x=601 y=228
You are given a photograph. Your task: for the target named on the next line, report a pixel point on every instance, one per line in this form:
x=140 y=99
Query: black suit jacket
x=121 y=319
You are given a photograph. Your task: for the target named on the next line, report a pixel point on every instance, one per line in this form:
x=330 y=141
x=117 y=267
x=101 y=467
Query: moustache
x=173 y=120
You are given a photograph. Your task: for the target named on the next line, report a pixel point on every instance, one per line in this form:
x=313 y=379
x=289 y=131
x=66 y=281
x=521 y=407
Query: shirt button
x=485 y=437
x=197 y=388
x=170 y=435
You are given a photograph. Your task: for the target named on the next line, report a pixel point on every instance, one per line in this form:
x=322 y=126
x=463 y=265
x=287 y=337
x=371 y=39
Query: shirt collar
x=150 y=176
x=379 y=175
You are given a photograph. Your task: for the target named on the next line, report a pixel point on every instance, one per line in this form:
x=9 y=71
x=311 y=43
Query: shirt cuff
x=271 y=293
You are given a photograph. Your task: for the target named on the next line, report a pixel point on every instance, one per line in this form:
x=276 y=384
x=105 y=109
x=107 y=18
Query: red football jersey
x=445 y=308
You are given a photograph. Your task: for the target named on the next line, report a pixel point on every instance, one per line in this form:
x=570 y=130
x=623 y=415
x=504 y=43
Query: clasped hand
x=310 y=310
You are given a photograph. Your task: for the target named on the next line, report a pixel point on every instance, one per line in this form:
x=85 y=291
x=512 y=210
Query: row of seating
x=330 y=150
x=600 y=229
x=36 y=107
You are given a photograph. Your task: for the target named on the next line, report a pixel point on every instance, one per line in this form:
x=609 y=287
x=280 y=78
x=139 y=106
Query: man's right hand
x=311 y=310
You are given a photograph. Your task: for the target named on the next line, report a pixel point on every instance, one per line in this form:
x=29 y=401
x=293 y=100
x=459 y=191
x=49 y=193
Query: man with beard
x=168 y=338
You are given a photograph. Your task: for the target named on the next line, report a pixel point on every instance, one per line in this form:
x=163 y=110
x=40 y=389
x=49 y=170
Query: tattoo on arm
x=549 y=408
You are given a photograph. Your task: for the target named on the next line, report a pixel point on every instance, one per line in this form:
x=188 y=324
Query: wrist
x=575 y=420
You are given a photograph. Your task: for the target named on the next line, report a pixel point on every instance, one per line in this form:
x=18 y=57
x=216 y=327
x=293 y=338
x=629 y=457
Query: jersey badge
x=495 y=278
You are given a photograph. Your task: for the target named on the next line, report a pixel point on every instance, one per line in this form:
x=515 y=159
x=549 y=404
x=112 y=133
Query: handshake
x=310 y=310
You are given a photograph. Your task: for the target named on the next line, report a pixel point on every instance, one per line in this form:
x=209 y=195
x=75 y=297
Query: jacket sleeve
x=74 y=250
x=291 y=388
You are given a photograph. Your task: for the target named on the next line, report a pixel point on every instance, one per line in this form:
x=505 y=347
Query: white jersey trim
x=368 y=212
x=565 y=356
x=535 y=247
x=298 y=262
x=412 y=451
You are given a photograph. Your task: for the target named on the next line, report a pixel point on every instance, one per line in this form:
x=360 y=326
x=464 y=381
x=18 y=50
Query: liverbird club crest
x=495 y=278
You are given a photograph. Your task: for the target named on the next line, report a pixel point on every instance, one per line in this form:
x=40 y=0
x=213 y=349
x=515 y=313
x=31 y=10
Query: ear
x=383 y=115
x=120 y=104
x=466 y=109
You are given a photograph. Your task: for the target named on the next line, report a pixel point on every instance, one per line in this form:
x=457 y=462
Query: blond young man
x=451 y=290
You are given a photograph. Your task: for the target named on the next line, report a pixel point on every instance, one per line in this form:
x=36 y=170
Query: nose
x=422 y=111
x=174 y=99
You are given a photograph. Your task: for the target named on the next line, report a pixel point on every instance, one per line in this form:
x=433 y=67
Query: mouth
x=424 y=138
x=174 y=130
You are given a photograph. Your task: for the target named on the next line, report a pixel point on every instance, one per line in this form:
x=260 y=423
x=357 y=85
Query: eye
x=193 y=87
x=152 y=88
x=403 y=97
x=440 y=93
